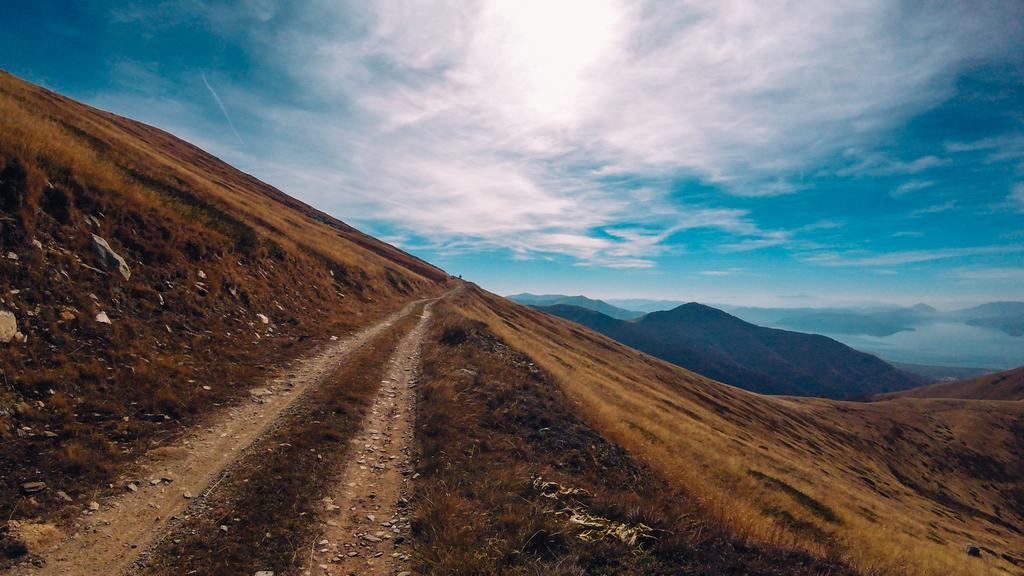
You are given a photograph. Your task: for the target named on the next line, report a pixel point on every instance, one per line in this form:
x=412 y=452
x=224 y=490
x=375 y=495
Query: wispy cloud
x=935 y=208
x=557 y=128
x=1016 y=198
x=991 y=274
x=905 y=257
x=910 y=186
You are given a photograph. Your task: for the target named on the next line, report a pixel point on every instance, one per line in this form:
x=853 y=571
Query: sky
x=766 y=153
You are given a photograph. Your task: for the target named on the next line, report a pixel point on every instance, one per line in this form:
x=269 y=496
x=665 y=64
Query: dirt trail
x=365 y=520
x=170 y=478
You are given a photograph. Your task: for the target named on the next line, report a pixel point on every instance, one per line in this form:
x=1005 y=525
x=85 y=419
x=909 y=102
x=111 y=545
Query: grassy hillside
x=1008 y=385
x=896 y=487
x=221 y=277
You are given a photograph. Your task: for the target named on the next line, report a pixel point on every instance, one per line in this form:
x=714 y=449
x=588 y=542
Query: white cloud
x=499 y=123
x=990 y=274
x=1016 y=198
x=910 y=186
x=905 y=257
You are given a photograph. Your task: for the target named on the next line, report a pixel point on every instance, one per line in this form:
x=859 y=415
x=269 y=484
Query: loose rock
x=9 y=327
x=109 y=258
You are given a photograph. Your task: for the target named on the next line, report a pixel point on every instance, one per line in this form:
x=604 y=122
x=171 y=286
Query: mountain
x=1008 y=385
x=581 y=301
x=938 y=373
x=990 y=310
x=721 y=346
x=645 y=305
x=202 y=374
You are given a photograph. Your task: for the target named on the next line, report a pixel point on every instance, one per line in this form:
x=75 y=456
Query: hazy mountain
x=581 y=301
x=942 y=373
x=645 y=305
x=718 y=345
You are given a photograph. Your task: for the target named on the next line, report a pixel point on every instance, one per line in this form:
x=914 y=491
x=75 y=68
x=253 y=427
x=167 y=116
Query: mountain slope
x=892 y=487
x=720 y=346
x=581 y=301
x=149 y=282
x=1008 y=385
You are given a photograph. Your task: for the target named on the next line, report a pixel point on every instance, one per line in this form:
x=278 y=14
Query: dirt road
x=114 y=533
x=364 y=521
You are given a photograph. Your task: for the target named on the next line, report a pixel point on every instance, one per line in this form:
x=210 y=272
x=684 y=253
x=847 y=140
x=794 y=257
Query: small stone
x=264 y=573
x=94 y=506
x=63 y=496
x=263 y=318
x=186 y=495
x=132 y=487
x=155 y=481
x=9 y=327
x=32 y=487
x=371 y=538
x=223 y=528
x=102 y=318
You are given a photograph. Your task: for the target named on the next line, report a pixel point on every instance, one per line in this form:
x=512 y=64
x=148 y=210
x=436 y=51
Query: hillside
x=144 y=282
x=892 y=487
x=1008 y=385
x=720 y=346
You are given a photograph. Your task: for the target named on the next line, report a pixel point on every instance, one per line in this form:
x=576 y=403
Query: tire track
x=364 y=521
x=112 y=534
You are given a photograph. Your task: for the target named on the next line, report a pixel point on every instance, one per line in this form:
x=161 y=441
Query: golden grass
x=910 y=482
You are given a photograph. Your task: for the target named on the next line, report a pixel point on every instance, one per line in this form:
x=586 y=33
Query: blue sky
x=762 y=153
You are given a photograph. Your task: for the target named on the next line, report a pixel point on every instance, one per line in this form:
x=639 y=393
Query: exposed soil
x=365 y=521
x=172 y=478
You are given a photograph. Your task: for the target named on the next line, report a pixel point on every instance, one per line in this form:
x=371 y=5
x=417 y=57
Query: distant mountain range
x=721 y=346
x=880 y=321
x=581 y=301
x=1005 y=317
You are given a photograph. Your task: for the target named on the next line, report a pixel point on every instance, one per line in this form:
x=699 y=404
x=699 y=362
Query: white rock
x=102 y=318
x=109 y=258
x=263 y=318
x=265 y=573
x=202 y=275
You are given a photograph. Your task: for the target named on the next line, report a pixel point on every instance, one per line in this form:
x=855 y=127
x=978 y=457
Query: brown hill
x=1008 y=385
x=891 y=487
x=223 y=277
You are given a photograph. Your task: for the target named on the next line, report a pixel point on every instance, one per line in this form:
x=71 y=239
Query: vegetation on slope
x=898 y=487
x=225 y=277
x=1008 y=385
x=514 y=482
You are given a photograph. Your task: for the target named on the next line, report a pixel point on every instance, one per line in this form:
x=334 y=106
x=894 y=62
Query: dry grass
x=489 y=422
x=890 y=487
x=209 y=247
